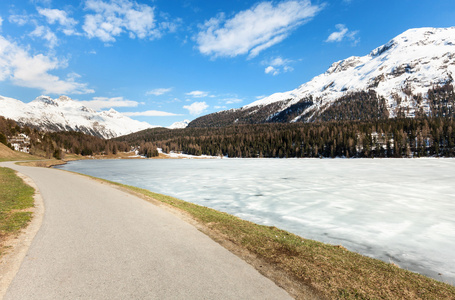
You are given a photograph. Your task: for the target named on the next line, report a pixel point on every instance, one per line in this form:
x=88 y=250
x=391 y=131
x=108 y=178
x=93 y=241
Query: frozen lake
x=396 y=210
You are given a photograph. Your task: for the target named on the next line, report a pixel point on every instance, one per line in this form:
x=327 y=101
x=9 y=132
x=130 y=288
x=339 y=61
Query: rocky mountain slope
x=65 y=114
x=394 y=80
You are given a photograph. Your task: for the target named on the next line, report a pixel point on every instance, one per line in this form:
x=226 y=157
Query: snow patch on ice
x=173 y=154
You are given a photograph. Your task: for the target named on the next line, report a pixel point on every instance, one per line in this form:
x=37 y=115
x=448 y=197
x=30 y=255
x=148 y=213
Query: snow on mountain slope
x=65 y=114
x=408 y=65
x=180 y=125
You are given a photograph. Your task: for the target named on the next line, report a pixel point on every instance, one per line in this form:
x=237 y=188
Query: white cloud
x=271 y=70
x=338 y=36
x=45 y=33
x=1 y=22
x=196 y=108
x=57 y=16
x=278 y=65
x=99 y=103
x=253 y=30
x=115 y=17
x=45 y=2
x=32 y=71
x=61 y=17
x=278 y=61
x=342 y=33
x=150 y=113
x=19 y=19
x=198 y=94
x=232 y=100
x=159 y=91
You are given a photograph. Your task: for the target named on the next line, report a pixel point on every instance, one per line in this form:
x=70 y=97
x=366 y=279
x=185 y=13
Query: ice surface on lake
x=397 y=210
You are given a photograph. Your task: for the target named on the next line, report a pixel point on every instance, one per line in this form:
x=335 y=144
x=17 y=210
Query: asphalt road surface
x=97 y=242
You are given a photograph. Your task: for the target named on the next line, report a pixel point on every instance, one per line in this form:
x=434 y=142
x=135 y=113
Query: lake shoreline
x=211 y=223
x=344 y=234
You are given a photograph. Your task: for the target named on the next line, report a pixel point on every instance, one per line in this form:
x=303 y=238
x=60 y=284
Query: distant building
x=20 y=142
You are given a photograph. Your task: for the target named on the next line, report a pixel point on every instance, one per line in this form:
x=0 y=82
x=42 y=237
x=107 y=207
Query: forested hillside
x=404 y=137
x=356 y=125
x=57 y=144
x=355 y=106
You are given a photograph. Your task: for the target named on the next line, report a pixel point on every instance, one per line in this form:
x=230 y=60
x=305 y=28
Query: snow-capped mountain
x=399 y=71
x=180 y=124
x=65 y=114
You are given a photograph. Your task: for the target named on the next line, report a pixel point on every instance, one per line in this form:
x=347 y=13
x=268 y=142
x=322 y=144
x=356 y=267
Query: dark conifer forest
x=403 y=137
x=357 y=125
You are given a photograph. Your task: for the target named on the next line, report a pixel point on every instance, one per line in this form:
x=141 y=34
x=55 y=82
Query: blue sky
x=162 y=61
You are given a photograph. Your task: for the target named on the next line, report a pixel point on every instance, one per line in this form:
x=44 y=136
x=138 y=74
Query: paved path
x=97 y=242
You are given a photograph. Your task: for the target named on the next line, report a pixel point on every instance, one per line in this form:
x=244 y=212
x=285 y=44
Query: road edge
x=19 y=245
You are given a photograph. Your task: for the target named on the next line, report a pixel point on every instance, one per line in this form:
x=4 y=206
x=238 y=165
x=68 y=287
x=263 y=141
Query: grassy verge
x=15 y=198
x=42 y=163
x=331 y=271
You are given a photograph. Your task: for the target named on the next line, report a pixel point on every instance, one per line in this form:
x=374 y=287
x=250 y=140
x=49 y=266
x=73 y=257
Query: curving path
x=97 y=242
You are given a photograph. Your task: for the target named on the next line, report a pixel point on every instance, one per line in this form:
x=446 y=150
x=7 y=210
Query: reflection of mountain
x=393 y=80
x=65 y=114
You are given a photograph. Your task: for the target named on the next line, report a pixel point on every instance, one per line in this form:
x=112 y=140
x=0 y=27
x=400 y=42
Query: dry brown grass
x=43 y=163
x=6 y=154
x=119 y=155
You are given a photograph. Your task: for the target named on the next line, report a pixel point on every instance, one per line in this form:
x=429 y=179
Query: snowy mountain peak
x=46 y=100
x=112 y=113
x=418 y=37
x=425 y=36
x=407 y=66
x=343 y=65
x=65 y=114
x=64 y=98
x=416 y=59
x=180 y=125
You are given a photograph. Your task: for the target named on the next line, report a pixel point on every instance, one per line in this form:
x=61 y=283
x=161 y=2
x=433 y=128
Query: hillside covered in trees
x=403 y=137
x=355 y=106
x=57 y=144
x=356 y=125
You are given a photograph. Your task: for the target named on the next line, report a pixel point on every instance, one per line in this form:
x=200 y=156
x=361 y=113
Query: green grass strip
x=15 y=196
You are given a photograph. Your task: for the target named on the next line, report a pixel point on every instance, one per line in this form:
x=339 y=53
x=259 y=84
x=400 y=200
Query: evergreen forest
x=357 y=125
x=403 y=137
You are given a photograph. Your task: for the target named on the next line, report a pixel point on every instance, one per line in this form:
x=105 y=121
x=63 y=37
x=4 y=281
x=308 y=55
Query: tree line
x=403 y=137
x=356 y=125
x=58 y=144
x=354 y=106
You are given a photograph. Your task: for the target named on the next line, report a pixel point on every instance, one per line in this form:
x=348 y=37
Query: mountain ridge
x=66 y=114
x=400 y=73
